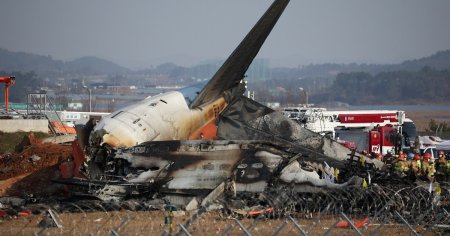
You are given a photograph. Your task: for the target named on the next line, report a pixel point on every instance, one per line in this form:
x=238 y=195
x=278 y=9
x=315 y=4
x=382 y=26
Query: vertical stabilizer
x=234 y=68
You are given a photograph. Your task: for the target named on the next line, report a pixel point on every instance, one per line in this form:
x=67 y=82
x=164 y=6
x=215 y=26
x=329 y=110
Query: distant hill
x=46 y=65
x=439 y=60
x=94 y=65
x=24 y=62
x=421 y=81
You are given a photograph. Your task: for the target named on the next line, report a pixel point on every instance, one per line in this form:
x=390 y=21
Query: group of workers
x=419 y=165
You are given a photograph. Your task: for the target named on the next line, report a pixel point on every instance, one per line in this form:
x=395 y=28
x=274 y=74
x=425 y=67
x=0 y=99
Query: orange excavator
x=8 y=81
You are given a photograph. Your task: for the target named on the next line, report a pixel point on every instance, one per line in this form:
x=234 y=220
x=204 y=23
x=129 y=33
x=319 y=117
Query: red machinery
x=8 y=81
x=383 y=139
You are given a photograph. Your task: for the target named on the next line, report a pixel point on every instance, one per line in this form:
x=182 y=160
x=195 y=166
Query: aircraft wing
x=234 y=68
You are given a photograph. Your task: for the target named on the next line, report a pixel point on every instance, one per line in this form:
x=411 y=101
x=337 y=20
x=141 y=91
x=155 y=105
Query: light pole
x=306 y=95
x=90 y=98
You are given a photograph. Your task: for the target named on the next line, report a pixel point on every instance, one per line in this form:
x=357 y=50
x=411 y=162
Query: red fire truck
x=377 y=131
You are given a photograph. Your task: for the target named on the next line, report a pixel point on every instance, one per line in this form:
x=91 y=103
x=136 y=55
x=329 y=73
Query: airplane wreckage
x=206 y=141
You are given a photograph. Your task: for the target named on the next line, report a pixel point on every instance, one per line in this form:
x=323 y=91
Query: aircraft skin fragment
x=255 y=122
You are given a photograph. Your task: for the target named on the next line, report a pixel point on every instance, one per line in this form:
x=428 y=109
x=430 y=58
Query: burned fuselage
x=199 y=166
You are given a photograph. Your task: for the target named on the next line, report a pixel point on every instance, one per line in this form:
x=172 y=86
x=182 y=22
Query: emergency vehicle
x=377 y=131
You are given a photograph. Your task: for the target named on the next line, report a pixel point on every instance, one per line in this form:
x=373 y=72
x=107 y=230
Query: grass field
x=422 y=120
x=8 y=141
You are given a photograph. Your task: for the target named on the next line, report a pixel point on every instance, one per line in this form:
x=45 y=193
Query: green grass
x=8 y=141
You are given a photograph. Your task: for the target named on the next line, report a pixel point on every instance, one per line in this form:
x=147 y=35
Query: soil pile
x=32 y=167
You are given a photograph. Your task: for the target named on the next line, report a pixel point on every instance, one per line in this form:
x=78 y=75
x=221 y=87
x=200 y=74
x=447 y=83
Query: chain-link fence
x=136 y=218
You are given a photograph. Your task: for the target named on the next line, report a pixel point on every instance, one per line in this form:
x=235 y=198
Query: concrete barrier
x=27 y=125
x=60 y=139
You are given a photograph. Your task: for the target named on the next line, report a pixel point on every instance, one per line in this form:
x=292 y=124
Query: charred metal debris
x=243 y=177
x=199 y=166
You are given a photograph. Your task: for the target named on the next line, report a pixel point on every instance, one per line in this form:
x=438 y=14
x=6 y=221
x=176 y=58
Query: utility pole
x=90 y=98
x=306 y=95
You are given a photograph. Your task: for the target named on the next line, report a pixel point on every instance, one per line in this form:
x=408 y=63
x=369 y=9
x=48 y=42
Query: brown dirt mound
x=31 y=169
x=27 y=140
x=34 y=157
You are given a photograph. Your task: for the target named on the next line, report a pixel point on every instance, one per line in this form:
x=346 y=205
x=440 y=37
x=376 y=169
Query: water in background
x=402 y=107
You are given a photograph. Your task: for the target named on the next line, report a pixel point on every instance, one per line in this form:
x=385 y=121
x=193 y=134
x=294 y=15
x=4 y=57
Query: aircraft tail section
x=232 y=71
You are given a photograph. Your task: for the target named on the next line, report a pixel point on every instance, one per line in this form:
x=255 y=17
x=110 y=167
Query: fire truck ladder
x=40 y=106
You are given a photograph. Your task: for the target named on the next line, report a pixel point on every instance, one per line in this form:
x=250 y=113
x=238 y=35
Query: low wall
x=27 y=125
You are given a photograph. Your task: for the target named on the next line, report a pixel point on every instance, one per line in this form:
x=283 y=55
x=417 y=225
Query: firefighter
x=401 y=166
x=380 y=157
x=416 y=164
x=388 y=158
x=441 y=165
x=409 y=160
x=425 y=164
x=362 y=158
x=412 y=169
x=406 y=164
x=400 y=153
x=441 y=156
x=427 y=167
x=396 y=158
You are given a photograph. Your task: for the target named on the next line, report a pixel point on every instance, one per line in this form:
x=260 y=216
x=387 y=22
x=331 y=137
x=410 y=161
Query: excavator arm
x=8 y=81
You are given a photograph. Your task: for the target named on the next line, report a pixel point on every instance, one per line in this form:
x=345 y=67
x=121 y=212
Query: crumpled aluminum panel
x=245 y=119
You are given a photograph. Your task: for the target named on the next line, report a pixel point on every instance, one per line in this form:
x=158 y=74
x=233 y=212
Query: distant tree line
x=287 y=91
x=425 y=86
x=435 y=128
x=397 y=87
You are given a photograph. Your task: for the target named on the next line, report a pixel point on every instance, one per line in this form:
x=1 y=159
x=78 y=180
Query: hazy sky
x=141 y=33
